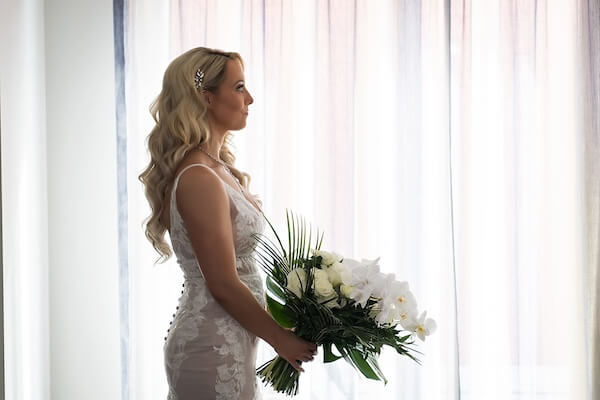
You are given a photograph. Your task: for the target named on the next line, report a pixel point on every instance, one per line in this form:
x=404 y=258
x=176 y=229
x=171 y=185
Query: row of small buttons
x=171 y=323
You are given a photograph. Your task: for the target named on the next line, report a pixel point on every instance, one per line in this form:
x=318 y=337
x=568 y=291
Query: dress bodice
x=245 y=220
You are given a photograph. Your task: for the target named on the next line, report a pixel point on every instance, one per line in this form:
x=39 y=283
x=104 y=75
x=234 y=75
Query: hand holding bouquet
x=331 y=300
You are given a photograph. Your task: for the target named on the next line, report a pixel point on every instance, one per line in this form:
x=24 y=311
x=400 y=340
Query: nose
x=249 y=99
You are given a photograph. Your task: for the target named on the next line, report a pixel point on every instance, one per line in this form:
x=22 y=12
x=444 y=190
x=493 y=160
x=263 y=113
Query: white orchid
x=357 y=273
x=394 y=298
x=384 y=313
x=421 y=326
x=364 y=276
x=405 y=318
x=400 y=296
x=384 y=285
x=383 y=290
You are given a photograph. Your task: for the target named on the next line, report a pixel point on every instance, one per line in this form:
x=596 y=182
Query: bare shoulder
x=201 y=196
x=199 y=184
x=196 y=174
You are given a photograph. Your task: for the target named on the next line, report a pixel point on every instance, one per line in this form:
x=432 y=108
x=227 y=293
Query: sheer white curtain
x=519 y=184
x=445 y=137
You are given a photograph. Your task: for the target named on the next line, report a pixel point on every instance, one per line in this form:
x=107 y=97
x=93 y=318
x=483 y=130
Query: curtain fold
x=455 y=139
x=589 y=104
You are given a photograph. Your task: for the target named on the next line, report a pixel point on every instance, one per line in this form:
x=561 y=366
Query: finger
x=310 y=348
x=296 y=365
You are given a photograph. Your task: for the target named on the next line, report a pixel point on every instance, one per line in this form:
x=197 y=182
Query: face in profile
x=229 y=107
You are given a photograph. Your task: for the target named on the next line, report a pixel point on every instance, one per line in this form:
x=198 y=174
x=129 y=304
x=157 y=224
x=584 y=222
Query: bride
x=197 y=194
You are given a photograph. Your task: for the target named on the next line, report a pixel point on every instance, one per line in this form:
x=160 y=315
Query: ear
x=205 y=98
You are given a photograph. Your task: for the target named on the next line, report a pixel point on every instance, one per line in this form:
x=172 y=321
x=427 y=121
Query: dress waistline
x=199 y=276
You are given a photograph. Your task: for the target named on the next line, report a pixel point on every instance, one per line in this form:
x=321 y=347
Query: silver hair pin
x=198 y=78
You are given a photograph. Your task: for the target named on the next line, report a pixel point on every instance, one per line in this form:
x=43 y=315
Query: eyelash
x=241 y=86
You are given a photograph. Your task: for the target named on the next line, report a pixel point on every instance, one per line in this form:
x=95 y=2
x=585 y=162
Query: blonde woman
x=197 y=194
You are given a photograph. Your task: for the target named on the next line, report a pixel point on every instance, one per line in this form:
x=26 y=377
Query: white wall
x=59 y=200
x=82 y=200
x=24 y=199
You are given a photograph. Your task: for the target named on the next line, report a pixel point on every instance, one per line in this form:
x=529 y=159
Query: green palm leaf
x=280 y=313
x=277 y=290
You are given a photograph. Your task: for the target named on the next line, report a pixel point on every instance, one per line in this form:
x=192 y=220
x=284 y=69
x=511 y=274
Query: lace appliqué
x=185 y=329
x=230 y=375
x=254 y=282
x=247 y=219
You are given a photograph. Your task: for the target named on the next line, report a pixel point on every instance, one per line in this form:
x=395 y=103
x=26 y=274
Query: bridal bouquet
x=332 y=300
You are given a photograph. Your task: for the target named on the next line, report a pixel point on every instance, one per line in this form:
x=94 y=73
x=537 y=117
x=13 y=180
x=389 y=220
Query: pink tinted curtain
x=456 y=140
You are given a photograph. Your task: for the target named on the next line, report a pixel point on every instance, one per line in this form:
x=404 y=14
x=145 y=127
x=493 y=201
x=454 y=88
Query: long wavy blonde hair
x=181 y=126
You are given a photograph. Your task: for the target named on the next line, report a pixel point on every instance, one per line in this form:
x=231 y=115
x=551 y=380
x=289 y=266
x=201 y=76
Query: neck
x=213 y=146
x=217 y=136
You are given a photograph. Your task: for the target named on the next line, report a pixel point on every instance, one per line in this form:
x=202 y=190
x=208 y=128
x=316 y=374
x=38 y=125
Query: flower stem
x=281 y=375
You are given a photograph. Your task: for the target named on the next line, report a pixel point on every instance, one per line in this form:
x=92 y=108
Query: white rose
x=327 y=258
x=335 y=273
x=346 y=290
x=296 y=281
x=321 y=284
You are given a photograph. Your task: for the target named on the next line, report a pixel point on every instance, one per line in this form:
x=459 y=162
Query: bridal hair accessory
x=198 y=78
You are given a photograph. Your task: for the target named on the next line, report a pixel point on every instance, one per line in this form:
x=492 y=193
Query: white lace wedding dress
x=208 y=354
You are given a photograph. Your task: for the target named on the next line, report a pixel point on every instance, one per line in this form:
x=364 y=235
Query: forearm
x=239 y=301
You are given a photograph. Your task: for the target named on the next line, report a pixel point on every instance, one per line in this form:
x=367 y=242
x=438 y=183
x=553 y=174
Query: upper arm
x=203 y=204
